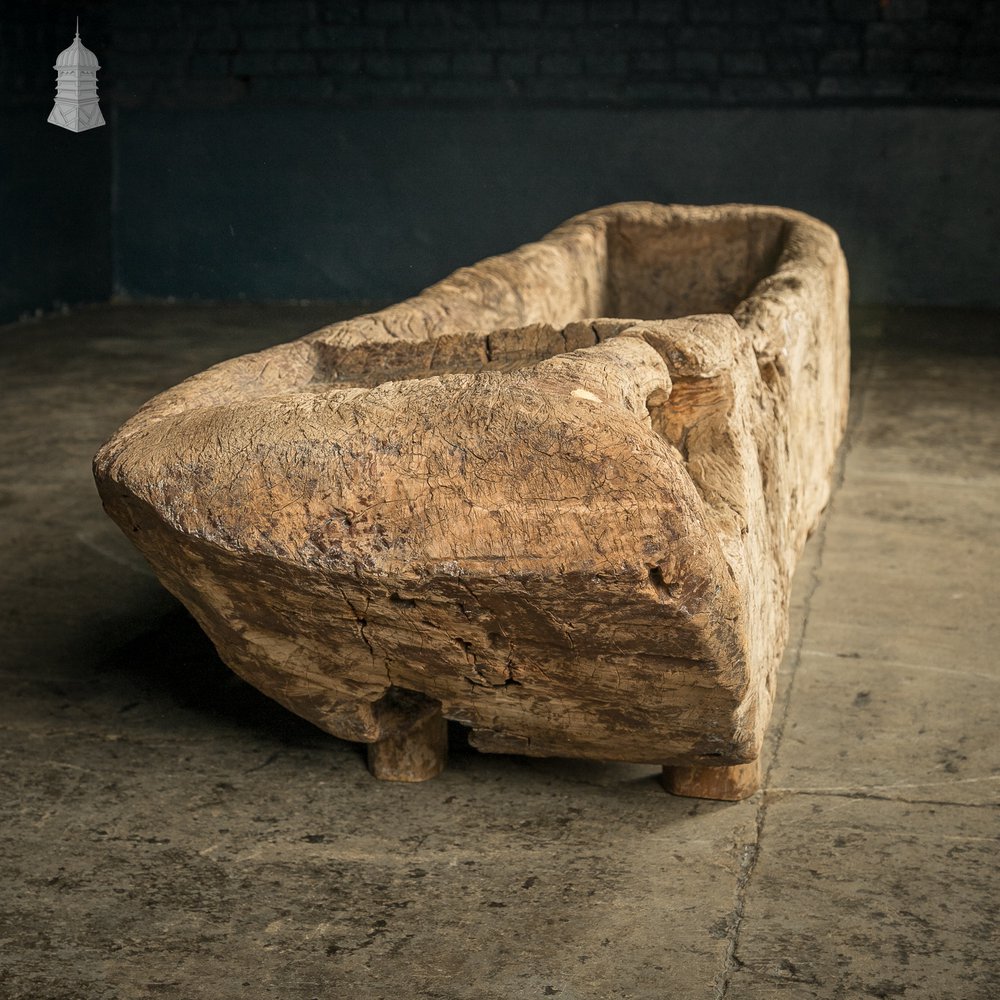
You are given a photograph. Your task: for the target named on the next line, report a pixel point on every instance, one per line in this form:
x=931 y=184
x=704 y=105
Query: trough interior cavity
x=511 y=312
x=683 y=268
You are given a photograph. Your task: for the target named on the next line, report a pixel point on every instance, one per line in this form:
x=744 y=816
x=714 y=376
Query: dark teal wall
x=325 y=148
x=55 y=185
x=311 y=203
x=55 y=214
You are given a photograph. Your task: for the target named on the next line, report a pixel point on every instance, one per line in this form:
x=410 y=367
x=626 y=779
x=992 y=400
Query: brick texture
x=601 y=53
x=32 y=34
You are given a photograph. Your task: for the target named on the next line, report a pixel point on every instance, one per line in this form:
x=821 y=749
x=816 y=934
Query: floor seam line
x=866 y=796
x=751 y=852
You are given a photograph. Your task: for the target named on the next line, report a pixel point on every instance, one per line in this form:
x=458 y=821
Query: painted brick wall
x=451 y=129
x=536 y=53
x=55 y=185
x=33 y=33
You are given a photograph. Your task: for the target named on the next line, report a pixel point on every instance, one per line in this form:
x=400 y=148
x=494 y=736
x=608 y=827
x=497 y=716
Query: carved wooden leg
x=411 y=753
x=696 y=781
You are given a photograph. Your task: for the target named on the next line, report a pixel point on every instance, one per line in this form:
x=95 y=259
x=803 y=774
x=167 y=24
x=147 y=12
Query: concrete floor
x=166 y=831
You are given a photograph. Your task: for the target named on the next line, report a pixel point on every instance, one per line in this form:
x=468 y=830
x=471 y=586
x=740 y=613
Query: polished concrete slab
x=167 y=831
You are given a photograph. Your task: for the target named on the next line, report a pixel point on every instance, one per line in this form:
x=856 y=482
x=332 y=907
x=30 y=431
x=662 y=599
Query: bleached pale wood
x=560 y=494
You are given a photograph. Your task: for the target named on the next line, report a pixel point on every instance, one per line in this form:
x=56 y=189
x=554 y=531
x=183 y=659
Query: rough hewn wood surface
x=415 y=744
x=561 y=493
x=697 y=781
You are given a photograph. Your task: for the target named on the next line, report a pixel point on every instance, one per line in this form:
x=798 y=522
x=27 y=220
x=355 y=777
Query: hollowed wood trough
x=558 y=496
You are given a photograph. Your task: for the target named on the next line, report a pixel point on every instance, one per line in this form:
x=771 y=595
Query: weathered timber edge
x=560 y=494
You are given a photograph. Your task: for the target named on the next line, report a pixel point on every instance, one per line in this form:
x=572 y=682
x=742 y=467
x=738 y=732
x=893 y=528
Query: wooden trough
x=558 y=496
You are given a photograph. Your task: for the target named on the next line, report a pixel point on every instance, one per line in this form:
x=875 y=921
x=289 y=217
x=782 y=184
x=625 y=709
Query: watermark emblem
x=76 y=106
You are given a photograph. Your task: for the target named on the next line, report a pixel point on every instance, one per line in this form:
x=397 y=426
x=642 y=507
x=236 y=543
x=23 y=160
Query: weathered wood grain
x=560 y=494
x=414 y=746
x=728 y=784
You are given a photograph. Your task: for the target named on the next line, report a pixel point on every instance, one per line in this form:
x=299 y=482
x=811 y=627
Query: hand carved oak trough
x=558 y=496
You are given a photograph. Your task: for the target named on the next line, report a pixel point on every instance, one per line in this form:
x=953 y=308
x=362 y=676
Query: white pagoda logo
x=76 y=106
